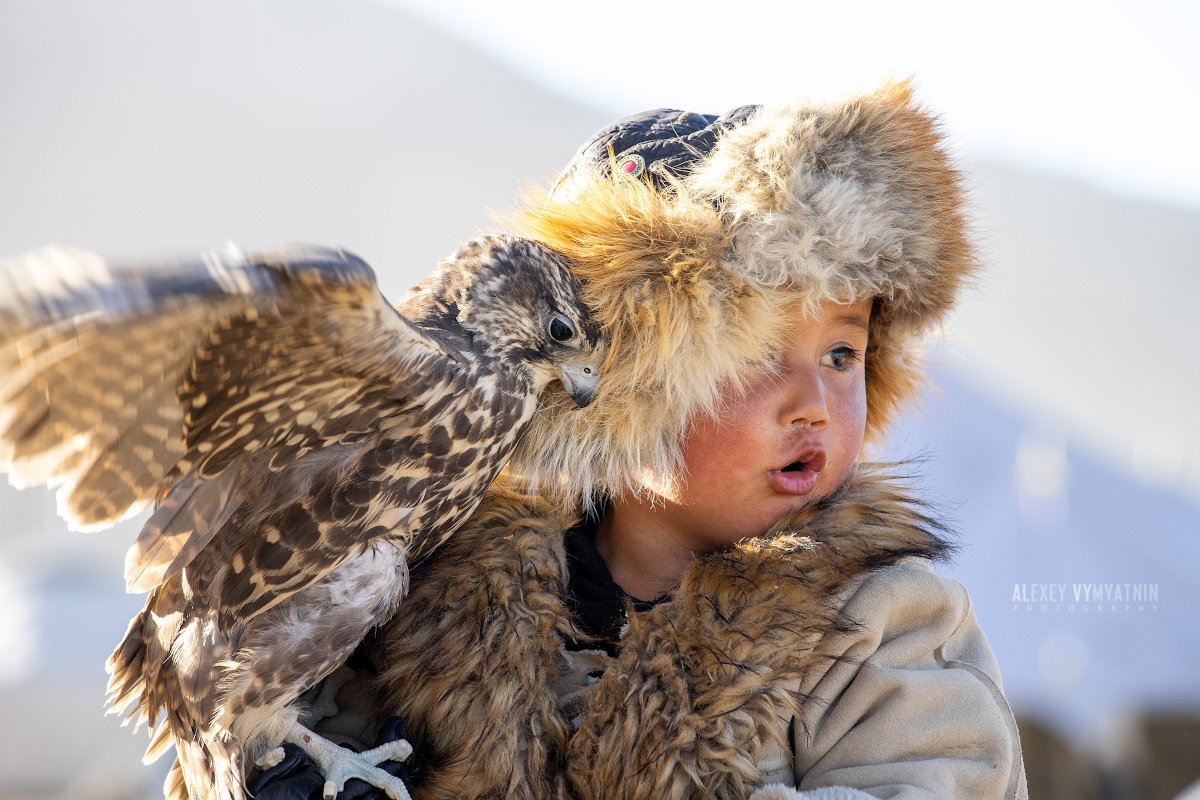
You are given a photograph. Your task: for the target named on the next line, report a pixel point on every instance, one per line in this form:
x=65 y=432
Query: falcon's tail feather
x=160 y=742
x=126 y=676
x=206 y=770
x=140 y=677
x=147 y=679
x=174 y=787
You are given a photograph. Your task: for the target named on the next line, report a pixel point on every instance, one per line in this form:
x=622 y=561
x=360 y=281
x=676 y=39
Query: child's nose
x=804 y=400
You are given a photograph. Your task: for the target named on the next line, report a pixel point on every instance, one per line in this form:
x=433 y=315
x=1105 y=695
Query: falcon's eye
x=561 y=329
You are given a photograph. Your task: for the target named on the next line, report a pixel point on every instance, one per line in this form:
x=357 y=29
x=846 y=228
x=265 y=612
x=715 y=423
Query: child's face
x=790 y=438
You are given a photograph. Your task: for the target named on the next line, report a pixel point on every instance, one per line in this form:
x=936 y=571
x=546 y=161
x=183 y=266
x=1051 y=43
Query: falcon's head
x=519 y=303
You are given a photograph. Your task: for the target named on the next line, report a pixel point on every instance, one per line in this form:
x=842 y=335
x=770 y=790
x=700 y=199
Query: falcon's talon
x=338 y=765
x=271 y=758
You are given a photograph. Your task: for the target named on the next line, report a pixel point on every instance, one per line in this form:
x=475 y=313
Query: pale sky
x=1093 y=90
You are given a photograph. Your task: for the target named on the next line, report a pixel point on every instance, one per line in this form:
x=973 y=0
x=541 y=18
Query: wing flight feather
x=125 y=384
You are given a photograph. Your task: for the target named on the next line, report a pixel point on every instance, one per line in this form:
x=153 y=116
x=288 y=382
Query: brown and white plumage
x=303 y=443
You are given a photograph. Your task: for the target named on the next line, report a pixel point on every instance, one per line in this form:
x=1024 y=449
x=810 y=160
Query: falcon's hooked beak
x=580 y=381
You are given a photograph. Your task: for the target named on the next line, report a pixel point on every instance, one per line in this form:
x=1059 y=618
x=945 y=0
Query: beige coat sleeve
x=914 y=707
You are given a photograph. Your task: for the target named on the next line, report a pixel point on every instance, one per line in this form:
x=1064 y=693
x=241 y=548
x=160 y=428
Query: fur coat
x=753 y=672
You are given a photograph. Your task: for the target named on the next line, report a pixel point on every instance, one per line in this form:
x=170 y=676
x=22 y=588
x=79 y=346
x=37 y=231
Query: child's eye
x=841 y=358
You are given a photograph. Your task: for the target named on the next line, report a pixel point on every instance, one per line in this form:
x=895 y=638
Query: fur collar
x=700 y=685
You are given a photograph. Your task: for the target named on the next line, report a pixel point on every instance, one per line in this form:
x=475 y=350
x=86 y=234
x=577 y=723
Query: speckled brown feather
x=306 y=443
x=700 y=682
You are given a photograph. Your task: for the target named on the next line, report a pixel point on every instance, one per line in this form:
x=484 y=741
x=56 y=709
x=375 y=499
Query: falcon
x=302 y=442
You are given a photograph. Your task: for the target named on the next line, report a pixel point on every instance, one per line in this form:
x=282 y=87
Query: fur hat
x=698 y=240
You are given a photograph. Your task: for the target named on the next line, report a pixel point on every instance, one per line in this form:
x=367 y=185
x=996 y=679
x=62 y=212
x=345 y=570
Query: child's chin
x=791 y=508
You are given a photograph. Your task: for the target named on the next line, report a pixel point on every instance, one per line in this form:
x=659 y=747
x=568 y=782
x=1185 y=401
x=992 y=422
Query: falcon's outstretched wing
x=129 y=383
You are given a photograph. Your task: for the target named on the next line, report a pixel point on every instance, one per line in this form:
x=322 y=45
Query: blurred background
x=1060 y=434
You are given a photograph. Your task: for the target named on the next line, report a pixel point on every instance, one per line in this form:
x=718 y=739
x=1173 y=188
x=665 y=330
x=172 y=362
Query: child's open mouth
x=800 y=476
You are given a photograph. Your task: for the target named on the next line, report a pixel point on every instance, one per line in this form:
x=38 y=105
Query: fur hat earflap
x=698 y=240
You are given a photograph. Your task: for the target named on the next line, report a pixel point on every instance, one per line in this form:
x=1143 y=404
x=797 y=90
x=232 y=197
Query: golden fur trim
x=694 y=284
x=679 y=324
x=699 y=685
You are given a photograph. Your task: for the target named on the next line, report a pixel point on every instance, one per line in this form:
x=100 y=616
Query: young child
x=740 y=606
